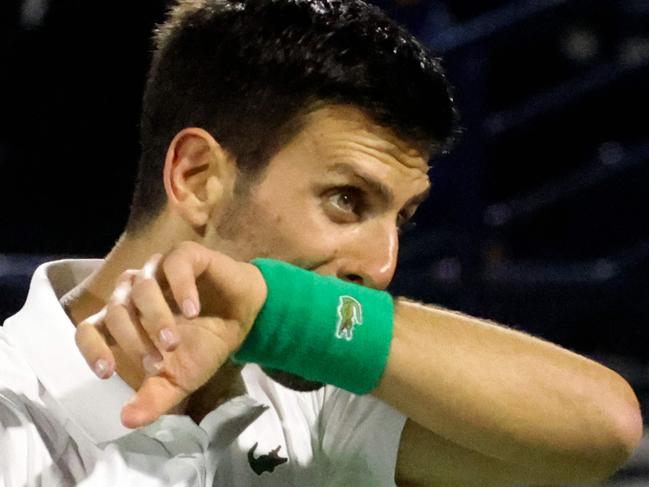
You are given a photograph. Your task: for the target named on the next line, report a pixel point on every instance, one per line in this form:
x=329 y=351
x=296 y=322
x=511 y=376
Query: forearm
x=486 y=388
x=506 y=394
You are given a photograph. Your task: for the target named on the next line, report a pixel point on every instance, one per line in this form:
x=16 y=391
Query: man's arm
x=501 y=406
x=499 y=403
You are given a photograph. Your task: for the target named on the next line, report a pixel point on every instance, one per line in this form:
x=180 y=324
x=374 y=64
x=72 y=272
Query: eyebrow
x=377 y=186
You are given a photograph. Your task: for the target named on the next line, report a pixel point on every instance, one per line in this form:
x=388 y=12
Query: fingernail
x=102 y=369
x=152 y=364
x=190 y=310
x=168 y=338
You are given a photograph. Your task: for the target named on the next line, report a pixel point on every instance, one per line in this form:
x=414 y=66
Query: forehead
x=336 y=128
x=338 y=145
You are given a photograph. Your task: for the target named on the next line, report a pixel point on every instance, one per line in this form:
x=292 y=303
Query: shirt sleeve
x=36 y=450
x=25 y=460
x=359 y=437
x=12 y=446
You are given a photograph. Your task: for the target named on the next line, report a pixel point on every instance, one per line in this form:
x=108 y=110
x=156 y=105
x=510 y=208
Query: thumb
x=155 y=397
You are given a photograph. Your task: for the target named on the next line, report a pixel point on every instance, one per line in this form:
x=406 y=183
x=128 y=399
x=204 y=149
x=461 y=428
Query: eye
x=345 y=200
x=345 y=204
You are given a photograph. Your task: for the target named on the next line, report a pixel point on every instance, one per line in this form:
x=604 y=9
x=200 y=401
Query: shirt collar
x=45 y=335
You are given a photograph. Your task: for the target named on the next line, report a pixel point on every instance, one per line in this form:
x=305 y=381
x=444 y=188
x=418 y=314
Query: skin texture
x=331 y=200
x=487 y=405
x=316 y=206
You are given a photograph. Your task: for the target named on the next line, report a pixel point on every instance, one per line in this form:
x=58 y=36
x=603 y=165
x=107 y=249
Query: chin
x=291 y=381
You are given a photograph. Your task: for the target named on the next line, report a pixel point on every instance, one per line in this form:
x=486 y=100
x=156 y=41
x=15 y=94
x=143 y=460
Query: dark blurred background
x=538 y=219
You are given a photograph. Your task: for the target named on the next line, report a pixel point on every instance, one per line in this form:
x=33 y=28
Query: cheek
x=287 y=224
x=299 y=234
x=299 y=240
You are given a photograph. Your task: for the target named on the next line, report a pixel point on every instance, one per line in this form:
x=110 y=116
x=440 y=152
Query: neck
x=93 y=294
x=131 y=251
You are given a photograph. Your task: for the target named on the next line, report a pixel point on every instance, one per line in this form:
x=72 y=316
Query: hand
x=178 y=351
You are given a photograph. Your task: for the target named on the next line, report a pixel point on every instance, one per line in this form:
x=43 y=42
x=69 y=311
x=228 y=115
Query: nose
x=372 y=257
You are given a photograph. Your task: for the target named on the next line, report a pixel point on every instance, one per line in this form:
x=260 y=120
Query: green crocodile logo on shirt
x=350 y=313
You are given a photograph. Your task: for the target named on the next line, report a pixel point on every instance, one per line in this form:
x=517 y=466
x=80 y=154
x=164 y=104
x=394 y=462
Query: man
x=299 y=132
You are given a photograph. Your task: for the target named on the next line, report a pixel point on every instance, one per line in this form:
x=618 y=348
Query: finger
x=181 y=268
x=126 y=276
x=154 y=313
x=148 y=270
x=91 y=340
x=155 y=397
x=122 y=323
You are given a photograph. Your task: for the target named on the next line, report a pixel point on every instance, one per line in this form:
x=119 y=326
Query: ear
x=198 y=174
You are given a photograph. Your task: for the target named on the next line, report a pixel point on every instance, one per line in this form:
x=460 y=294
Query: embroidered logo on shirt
x=350 y=313
x=265 y=463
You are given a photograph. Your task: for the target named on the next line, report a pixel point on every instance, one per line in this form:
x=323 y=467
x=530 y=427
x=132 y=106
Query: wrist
x=259 y=291
x=320 y=328
x=258 y=294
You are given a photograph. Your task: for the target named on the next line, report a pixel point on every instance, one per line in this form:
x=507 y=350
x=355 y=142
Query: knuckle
x=120 y=294
x=113 y=308
x=156 y=320
x=149 y=301
x=127 y=275
x=142 y=289
x=168 y=264
x=187 y=253
x=116 y=317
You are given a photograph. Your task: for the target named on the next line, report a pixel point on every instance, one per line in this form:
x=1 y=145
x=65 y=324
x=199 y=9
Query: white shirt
x=60 y=425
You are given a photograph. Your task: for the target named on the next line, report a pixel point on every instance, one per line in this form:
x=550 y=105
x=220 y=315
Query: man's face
x=331 y=200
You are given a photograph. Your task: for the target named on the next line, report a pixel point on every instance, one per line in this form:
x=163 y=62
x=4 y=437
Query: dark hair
x=247 y=70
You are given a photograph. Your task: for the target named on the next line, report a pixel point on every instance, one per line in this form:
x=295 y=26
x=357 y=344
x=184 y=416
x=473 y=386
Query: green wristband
x=320 y=328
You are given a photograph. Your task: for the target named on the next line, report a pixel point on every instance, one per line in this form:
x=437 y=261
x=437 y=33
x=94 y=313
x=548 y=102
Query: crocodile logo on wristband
x=350 y=314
